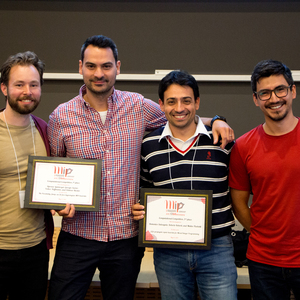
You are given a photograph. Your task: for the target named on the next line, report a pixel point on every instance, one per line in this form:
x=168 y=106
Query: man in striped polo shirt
x=181 y=155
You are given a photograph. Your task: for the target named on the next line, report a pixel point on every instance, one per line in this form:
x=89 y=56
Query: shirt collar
x=200 y=129
x=82 y=92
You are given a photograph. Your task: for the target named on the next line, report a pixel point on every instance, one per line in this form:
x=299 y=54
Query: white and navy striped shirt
x=202 y=166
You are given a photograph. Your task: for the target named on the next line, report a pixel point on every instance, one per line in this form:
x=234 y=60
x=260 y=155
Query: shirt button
x=108 y=194
x=108 y=172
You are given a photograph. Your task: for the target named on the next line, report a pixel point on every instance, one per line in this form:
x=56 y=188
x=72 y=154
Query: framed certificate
x=176 y=218
x=54 y=181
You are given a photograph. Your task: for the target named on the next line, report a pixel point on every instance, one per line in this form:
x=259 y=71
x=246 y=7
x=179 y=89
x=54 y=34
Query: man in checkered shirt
x=108 y=124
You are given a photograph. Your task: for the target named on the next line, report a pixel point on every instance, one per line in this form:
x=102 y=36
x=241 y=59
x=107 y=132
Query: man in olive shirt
x=25 y=234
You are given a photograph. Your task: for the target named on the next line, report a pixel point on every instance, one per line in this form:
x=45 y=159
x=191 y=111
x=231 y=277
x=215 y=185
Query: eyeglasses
x=280 y=91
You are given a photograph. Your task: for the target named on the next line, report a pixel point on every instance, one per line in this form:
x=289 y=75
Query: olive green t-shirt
x=19 y=228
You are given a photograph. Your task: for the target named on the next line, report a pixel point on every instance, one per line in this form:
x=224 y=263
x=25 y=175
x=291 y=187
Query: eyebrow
x=105 y=63
x=281 y=85
x=184 y=98
x=22 y=81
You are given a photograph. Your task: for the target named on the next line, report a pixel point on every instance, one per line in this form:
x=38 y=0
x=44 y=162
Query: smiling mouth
x=274 y=107
x=179 y=117
x=99 y=83
x=26 y=100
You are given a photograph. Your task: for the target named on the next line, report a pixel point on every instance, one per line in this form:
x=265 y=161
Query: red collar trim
x=181 y=151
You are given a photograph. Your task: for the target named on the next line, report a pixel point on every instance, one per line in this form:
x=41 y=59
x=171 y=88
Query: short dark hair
x=180 y=77
x=100 y=41
x=267 y=68
x=23 y=59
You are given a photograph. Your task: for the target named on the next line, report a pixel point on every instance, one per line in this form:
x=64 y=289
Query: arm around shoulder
x=221 y=131
x=55 y=135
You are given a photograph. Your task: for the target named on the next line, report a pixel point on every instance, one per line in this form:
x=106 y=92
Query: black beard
x=279 y=118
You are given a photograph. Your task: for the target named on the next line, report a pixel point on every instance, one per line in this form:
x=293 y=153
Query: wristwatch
x=216 y=117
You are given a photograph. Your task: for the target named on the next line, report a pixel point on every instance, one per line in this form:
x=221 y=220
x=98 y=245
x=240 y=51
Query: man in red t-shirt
x=265 y=162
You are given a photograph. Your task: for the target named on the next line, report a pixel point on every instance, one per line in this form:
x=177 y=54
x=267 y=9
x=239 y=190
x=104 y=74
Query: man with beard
x=265 y=162
x=25 y=234
x=108 y=124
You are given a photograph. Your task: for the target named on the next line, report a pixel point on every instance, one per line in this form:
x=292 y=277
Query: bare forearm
x=240 y=207
x=221 y=131
x=244 y=217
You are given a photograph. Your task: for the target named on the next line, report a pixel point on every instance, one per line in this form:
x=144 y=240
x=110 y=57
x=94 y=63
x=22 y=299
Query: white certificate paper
x=53 y=182
x=176 y=218
x=182 y=219
x=61 y=183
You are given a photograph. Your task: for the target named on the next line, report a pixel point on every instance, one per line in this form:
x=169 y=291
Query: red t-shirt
x=269 y=166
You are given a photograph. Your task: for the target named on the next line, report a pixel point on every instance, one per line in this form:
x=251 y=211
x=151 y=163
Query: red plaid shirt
x=75 y=129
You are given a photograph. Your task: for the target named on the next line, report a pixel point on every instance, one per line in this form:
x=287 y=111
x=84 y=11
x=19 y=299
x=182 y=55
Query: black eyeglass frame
x=274 y=91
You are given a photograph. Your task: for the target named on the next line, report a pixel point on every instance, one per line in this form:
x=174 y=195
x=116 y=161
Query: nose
x=98 y=72
x=274 y=97
x=27 y=89
x=179 y=107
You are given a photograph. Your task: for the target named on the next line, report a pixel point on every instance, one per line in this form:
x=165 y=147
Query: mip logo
x=172 y=205
x=62 y=171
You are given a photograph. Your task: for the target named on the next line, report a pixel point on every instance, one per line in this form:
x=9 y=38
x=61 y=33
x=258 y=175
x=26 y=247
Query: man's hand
x=137 y=211
x=222 y=131
x=67 y=212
